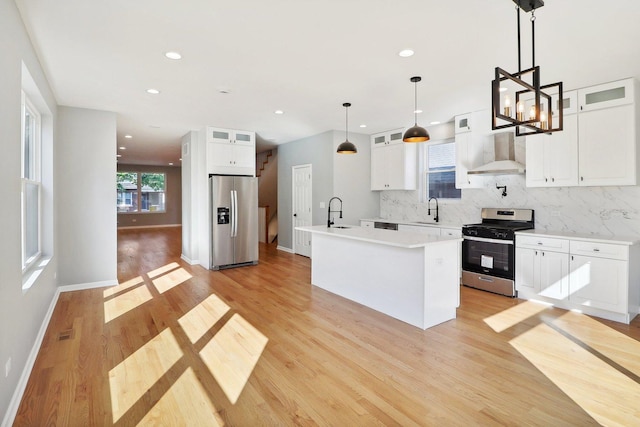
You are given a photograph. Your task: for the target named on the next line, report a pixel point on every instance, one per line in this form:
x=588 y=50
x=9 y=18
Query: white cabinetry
x=601 y=278
x=542 y=267
x=230 y=152
x=469 y=148
x=599 y=275
x=393 y=163
x=552 y=159
x=598 y=144
x=607 y=134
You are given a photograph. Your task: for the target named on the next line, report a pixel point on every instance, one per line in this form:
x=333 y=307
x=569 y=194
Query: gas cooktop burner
x=500 y=224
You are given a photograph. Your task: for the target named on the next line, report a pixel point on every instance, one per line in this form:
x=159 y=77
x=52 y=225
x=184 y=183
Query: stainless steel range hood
x=504 y=157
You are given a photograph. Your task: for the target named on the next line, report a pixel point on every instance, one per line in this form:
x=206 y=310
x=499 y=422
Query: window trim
x=139 y=193
x=36 y=178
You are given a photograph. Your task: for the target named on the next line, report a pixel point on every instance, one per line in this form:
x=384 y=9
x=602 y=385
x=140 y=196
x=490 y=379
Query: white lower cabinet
x=599 y=282
x=543 y=270
x=597 y=277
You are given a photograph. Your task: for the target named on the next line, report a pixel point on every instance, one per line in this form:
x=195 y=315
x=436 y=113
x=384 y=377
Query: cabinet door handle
x=546 y=180
x=540 y=243
x=571 y=257
x=582 y=178
x=553 y=180
x=596 y=250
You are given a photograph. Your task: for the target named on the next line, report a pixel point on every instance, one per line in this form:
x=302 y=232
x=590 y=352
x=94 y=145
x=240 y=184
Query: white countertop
x=622 y=240
x=418 y=223
x=400 y=239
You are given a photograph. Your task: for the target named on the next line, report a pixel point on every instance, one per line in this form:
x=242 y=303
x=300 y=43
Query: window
x=140 y=192
x=440 y=173
x=31 y=184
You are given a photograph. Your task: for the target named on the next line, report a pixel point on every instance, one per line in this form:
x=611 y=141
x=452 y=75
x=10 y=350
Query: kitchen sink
x=340 y=226
x=425 y=222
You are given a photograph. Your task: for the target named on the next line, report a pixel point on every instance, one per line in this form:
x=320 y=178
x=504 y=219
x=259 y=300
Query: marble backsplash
x=601 y=211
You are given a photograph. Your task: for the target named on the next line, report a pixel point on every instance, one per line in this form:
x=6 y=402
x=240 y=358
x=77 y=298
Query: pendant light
x=534 y=112
x=347 y=147
x=416 y=133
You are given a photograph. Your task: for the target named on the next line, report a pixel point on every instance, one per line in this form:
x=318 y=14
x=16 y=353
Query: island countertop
x=401 y=239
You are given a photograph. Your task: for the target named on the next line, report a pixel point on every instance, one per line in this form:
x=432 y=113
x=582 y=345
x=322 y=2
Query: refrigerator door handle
x=235 y=213
x=232 y=216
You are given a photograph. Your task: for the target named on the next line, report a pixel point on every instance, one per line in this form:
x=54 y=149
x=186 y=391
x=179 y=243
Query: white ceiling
x=307 y=57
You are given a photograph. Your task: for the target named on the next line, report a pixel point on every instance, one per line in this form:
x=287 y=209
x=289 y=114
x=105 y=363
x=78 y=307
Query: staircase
x=261 y=160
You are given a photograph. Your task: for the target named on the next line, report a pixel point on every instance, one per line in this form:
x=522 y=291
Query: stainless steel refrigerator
x=234 y=221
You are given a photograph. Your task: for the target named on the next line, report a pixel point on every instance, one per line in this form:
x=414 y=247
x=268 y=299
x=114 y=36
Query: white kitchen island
x=412 y=277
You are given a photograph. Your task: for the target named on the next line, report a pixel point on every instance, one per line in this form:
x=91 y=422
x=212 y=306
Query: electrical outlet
x=7 y=368
x=133 y=220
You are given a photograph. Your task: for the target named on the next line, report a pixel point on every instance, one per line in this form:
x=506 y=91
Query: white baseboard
x=129 y=227
x=188 y=260
x=282 y=248
x=14 y=404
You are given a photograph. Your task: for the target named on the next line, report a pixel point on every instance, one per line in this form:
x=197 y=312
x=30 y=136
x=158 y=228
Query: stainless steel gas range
x=488 y=249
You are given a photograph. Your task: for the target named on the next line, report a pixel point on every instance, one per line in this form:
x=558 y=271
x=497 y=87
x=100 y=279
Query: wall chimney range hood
x=504 y=158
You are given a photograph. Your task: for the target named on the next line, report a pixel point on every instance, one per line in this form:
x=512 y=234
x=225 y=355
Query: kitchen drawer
x=454 y=232
x=543 y=243
x=600 y=250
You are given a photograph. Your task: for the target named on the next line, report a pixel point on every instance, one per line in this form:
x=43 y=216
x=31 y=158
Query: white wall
x=86 y=176
x=352 y=179
x=190 y=170
x=21 y=314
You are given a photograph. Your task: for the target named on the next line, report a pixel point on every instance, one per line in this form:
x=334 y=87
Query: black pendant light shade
x=416 y=133
x=347 y=147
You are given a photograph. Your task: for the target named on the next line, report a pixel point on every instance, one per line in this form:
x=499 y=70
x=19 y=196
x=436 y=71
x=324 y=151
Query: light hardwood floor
x=175 y=344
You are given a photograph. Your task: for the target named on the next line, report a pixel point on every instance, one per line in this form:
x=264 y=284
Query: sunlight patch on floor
x=512 y=316
x=171 y=280
x=126 y=302
x=232 y=354
x=621 y=349
x=163 y=269
x=132 y=377
x=203 y=317
x=185 y=403
x=606 y=394
x=122 y=287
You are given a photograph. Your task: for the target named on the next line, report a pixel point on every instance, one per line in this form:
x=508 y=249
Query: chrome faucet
x=429 y=208
x=329 y=221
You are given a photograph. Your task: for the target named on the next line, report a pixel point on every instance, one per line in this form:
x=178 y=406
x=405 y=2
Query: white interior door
x=301 y=209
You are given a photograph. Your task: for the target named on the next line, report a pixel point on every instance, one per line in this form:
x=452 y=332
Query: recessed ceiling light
x=434 y=123
x=154 y=126
x=153 y=91
x=363 y=126
x=405 y=53
x=128 y=136
x=418 y=111
x=279 y=112
x=173 y=55
x=170 y=163
x=123 y=148
x=118 y=155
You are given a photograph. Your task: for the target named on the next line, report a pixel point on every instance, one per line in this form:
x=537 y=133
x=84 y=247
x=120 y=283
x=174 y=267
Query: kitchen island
x=412 y=277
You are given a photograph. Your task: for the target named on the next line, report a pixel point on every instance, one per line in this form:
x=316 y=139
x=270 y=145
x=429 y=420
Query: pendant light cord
x=518 y=21
x=347 y=121
x=415 y=103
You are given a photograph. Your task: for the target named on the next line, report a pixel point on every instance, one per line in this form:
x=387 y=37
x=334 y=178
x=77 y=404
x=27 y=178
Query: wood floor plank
x=326 y=360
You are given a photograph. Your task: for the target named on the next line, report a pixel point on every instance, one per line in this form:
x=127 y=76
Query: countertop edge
x=620 y=240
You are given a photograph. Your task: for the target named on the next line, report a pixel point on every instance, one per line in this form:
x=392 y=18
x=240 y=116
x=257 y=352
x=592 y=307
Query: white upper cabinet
x=470 y=146
x=387 y=138
x=231 y=152
x=393 y=162
x=552 y=158
x=598 y=144
x=607 y=134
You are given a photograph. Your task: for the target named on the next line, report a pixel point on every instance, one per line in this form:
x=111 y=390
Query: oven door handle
x=482 y=239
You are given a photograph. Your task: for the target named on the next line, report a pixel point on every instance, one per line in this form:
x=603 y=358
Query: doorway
x=301 y=208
